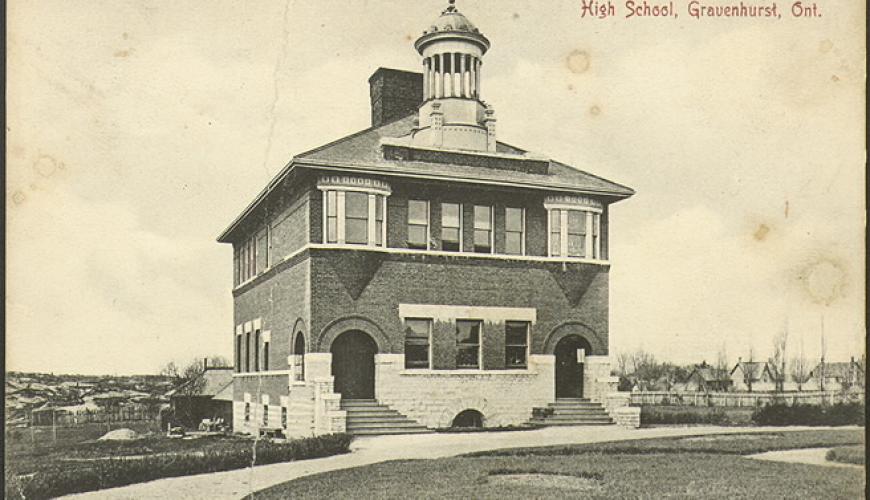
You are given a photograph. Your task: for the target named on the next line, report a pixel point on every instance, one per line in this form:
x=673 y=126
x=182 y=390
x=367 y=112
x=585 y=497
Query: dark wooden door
x=353 y=365
x=569 y=373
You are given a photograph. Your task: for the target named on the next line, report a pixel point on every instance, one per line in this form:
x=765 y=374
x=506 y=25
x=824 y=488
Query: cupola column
x=425 y=79
x=477 y=80
x=439 y=76
x=462 y=88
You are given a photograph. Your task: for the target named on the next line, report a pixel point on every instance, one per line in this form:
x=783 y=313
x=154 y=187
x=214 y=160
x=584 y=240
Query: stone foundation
x=434 y=397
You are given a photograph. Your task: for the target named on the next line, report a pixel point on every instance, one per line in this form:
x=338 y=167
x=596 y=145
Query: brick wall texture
x=322 y=292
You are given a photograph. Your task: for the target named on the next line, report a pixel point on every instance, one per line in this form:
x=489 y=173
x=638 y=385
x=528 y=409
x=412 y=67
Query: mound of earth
x=120 y=435
x=537 y=480
x=729 y=437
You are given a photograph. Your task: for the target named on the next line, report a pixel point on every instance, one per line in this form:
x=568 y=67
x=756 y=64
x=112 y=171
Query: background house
x=705 y=378
x=837 y=376
x=752 y=376
x=198 y=398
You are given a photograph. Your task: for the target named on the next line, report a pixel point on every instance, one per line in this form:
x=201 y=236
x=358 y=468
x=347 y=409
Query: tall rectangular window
x=596 y=229
x=265 y=356
x=257 y=351
x=483 y=229
x=417 y=333
x=468 y=344
x=247 y=412
x=418 y=224
x=576 y=233
x=356 y=207
x=516 y=344
x=331 y=217
x=555 y=232
x=283 y=417
x=379 y=219
x=238 y=353
x=265 y=415
x=451 y=227
x=248 y=351
x=515 y=231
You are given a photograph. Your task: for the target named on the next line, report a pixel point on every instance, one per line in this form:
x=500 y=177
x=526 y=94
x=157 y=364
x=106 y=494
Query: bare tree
x=750 y=370
x=170 y=370
x=189 y=383
x=721 y=367
x=777 y=362
x=821 y=372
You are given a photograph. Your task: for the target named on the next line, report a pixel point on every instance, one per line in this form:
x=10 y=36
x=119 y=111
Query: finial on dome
x=451 y=7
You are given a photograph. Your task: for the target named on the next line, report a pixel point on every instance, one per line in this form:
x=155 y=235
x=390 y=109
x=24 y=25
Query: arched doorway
x=569 y=371
x=299 y=353
x=353 y=365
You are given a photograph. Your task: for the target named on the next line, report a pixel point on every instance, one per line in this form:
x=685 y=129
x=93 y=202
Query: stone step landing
x=367 y=417
x=570 y=411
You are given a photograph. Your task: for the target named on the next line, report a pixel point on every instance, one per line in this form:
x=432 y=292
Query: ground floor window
x=265 y=415
x=247 y=412
x=468 y=344
x=417 y=333
x=516 y=344
x=283 y=417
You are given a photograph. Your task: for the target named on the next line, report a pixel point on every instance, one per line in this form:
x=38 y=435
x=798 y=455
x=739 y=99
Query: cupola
x=453 y=115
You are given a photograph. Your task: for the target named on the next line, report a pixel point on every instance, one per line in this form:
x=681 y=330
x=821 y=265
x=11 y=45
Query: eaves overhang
x=386 y=170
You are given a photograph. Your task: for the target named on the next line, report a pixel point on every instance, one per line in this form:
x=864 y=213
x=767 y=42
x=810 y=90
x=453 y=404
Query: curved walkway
x=368 y=450
x=811 y=456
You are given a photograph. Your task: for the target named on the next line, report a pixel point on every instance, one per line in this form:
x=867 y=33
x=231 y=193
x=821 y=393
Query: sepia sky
x=137 y=130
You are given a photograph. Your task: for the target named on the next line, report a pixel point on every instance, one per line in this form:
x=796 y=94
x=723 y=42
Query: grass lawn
x=46 y=472
x=847 y=455
x=683 y=467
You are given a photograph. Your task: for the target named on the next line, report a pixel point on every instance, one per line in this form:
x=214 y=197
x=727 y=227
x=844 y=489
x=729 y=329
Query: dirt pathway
x=812 y=456
x=238 y=483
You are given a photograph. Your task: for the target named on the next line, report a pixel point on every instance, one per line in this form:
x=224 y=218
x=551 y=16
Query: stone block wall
x=628 y=416
x=597 y=381
x=435 y=397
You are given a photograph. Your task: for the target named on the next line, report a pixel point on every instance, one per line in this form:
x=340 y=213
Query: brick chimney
x=394 y=94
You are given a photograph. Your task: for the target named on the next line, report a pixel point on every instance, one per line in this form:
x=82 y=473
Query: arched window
x=354 y=210
x=468 y=419
x=574 y=224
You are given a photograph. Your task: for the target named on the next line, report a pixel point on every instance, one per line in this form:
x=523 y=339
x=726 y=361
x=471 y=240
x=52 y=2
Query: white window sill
x=465 y=372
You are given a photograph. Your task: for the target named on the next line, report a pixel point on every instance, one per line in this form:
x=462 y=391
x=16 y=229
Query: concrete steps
x=573 y=411
x=367 y=417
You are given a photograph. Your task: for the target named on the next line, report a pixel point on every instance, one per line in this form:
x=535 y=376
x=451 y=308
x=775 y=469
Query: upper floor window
x=574 y=224
x=451 y=227
x=483 y=234
x=515 y=231
x=354 y=210
x=418 y=224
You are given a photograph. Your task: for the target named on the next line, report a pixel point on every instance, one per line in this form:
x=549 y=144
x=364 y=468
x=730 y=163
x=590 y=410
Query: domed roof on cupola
x=452 y=24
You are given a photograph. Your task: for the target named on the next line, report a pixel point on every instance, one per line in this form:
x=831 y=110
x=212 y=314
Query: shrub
x=847 y=455
x=712 y=416
x=54 y=479
x=837 y=414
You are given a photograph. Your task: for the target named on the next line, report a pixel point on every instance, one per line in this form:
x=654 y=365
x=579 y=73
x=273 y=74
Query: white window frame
x=491 y=227
x=528 y=341
x=340 y=219
x=429 y=347
x=592 y=243
x=428 y=222
x=522 y=229
x=461 y=224
x=479 y=343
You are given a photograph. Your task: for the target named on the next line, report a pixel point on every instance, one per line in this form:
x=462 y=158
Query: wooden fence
x=63 y=418
x=742 y=399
